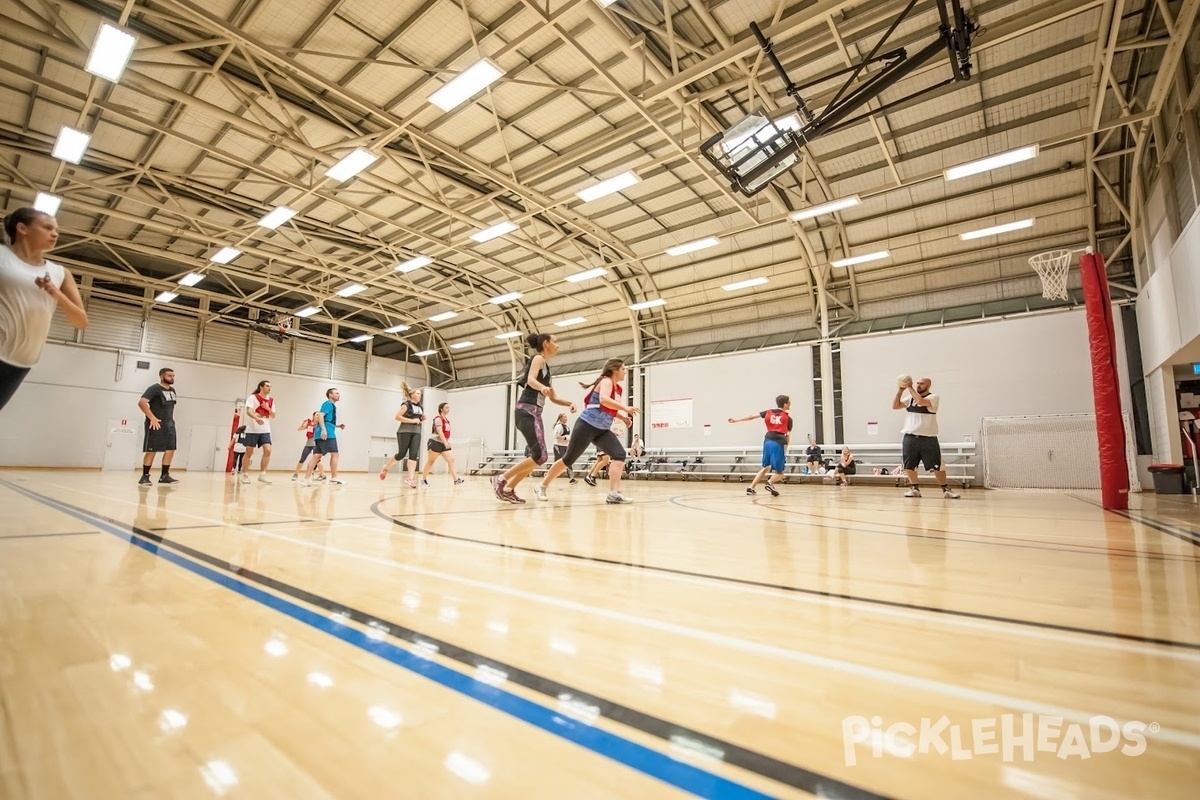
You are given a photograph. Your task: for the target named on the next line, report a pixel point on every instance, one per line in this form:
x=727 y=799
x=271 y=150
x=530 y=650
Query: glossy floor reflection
x=214 y=639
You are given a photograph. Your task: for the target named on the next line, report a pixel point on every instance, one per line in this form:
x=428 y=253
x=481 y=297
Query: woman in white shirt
x=31 y=287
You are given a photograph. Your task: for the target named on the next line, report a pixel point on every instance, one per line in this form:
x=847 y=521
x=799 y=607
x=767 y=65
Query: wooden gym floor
x=371 y=640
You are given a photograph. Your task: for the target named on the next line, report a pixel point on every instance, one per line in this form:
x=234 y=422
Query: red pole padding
x=1106 y=385
x=237 y=421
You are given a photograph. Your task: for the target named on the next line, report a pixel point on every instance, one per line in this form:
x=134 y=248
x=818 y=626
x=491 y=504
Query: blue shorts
x=773 y=455
x=257 y=439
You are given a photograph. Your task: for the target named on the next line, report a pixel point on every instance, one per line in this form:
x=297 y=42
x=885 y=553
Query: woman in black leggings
x=408 y=436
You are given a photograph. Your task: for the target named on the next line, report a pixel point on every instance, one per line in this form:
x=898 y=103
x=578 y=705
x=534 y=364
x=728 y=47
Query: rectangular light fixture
x=587 y=275
x=648 y=304
x=504 y=298
x=351 y=165
x=165 y=297
x=470 y=82
x=225 y=255
x=424 y=353
x=509 y=335
x=277 y=217
x=497 y=230
x=351 y=290
x=691 y=247
x=416 y=262
x=191 y=279
x=442 y=317
x=307 y=312
x=366 y=337
x=461 y=345
x=71 y=144
x=850 y=262
x=992 y=162
x=110 y=52
x=1007 y=227
x=746 y=284
x=607 y=187
x=47 y=203
x=825 y=208
x=396 y=329
x=566 y=323
x=606 y=3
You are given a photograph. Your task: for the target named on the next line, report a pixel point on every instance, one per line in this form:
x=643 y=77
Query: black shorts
x=325 y=446
x=437 y=447
x=921 y=450
x=408 y=445
x=850 y=470
x=161 y=440
x=257 y=439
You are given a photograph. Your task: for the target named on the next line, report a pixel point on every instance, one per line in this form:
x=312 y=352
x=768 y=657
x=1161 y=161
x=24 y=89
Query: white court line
x=1181 y=738
x=998 y=628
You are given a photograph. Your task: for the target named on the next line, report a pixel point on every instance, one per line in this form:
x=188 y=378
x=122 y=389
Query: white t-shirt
x=253 y=403
x=25 y=310
x=921 y=421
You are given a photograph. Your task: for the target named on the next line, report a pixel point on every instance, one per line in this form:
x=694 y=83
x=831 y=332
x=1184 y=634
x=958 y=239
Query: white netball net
x=1048 y=451
x=1052 y=268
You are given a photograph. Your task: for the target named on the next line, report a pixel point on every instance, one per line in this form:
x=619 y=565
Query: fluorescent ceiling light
x=499 y=229
x=277 y=217
x=351 y=290
x=424 y=353
x=997 y=229
x=504 y=298
x=587 y=274
x=225 y=255
x=563 y=323
x=606 y=3
x=691 y=247
x=509 y=335
x=47 y=203
x=607 y=187
x=351 y=165
x=191 y=279
x=850 y=262
x=992 y=162
x=307 y=312
x=470 y=81
x=746 y=284
x=365 y=337
x=396 y=329
x=165 y=297
x=648 y=304
x=825 y=208
x=71 y=144
x=415 y=262
x=461 y=345
x=442 y=317
x=110 y=52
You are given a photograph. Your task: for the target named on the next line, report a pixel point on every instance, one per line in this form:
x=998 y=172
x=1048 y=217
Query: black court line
x=48 y=535
x=274 y=522
x=1188 y=535
x=753 y=761
x=802 y=590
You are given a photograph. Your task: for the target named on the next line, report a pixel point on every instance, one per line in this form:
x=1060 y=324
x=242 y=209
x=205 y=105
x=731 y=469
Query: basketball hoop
x=1052 y=268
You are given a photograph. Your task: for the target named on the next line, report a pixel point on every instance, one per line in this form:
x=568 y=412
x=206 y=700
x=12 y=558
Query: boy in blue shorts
x=779 y=433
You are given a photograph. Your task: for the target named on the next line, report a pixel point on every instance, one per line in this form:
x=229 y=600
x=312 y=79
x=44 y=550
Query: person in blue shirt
x=325 y=438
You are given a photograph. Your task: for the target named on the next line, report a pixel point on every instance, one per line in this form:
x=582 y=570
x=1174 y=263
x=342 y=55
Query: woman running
x=408 y=436
x=439 y=445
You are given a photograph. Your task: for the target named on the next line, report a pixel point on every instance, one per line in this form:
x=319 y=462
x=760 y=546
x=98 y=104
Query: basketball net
x=1052 y=268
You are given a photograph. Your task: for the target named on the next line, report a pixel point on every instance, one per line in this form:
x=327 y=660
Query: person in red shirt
x=307 y=426
x=779 y=434
x=439 y=445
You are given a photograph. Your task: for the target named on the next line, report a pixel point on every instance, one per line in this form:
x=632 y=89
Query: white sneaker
x=264 y=479
x=244 y=478
x=913 y=492
x=539 y=492
x=304 y=483
x=295 y=477
x=337 y=482
x=949 y=495
x=616 y=498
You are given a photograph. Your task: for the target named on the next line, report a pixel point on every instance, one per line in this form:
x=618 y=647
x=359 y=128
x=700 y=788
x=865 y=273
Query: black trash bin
x=1169 y=479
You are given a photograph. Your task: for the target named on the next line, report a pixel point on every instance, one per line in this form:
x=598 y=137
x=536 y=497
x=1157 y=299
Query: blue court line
x=639 y=757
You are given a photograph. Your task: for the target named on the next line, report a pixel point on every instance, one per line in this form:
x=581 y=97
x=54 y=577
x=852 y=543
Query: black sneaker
x=144 y=481
x=167 y=479
x=771 y=489
x=750 y=490
x=589 y=480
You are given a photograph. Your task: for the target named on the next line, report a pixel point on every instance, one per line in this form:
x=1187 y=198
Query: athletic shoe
x=750 y=490
x=168 y=479
x=949 y=495
x=771 y=488
x=511 y=497
x=424 y=483
x=616 y=498
x=144 y=480
x=264 y=479
x=539 y=492
x=337 y=482
x=319 y=478
x=913 y=492
x=294 y=476
x=305 y=483
x=573 y=481
x=244 y=478
x=498 y=486
x=458 y=481
x=412 y=484
x=589 y=480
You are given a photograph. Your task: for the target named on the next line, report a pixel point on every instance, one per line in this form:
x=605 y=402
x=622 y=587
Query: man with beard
x=158 y=404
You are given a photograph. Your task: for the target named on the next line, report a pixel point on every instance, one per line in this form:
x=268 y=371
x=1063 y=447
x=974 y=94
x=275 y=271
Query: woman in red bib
x=439 y=445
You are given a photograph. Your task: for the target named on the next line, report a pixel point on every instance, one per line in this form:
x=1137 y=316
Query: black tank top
x=529 y=395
